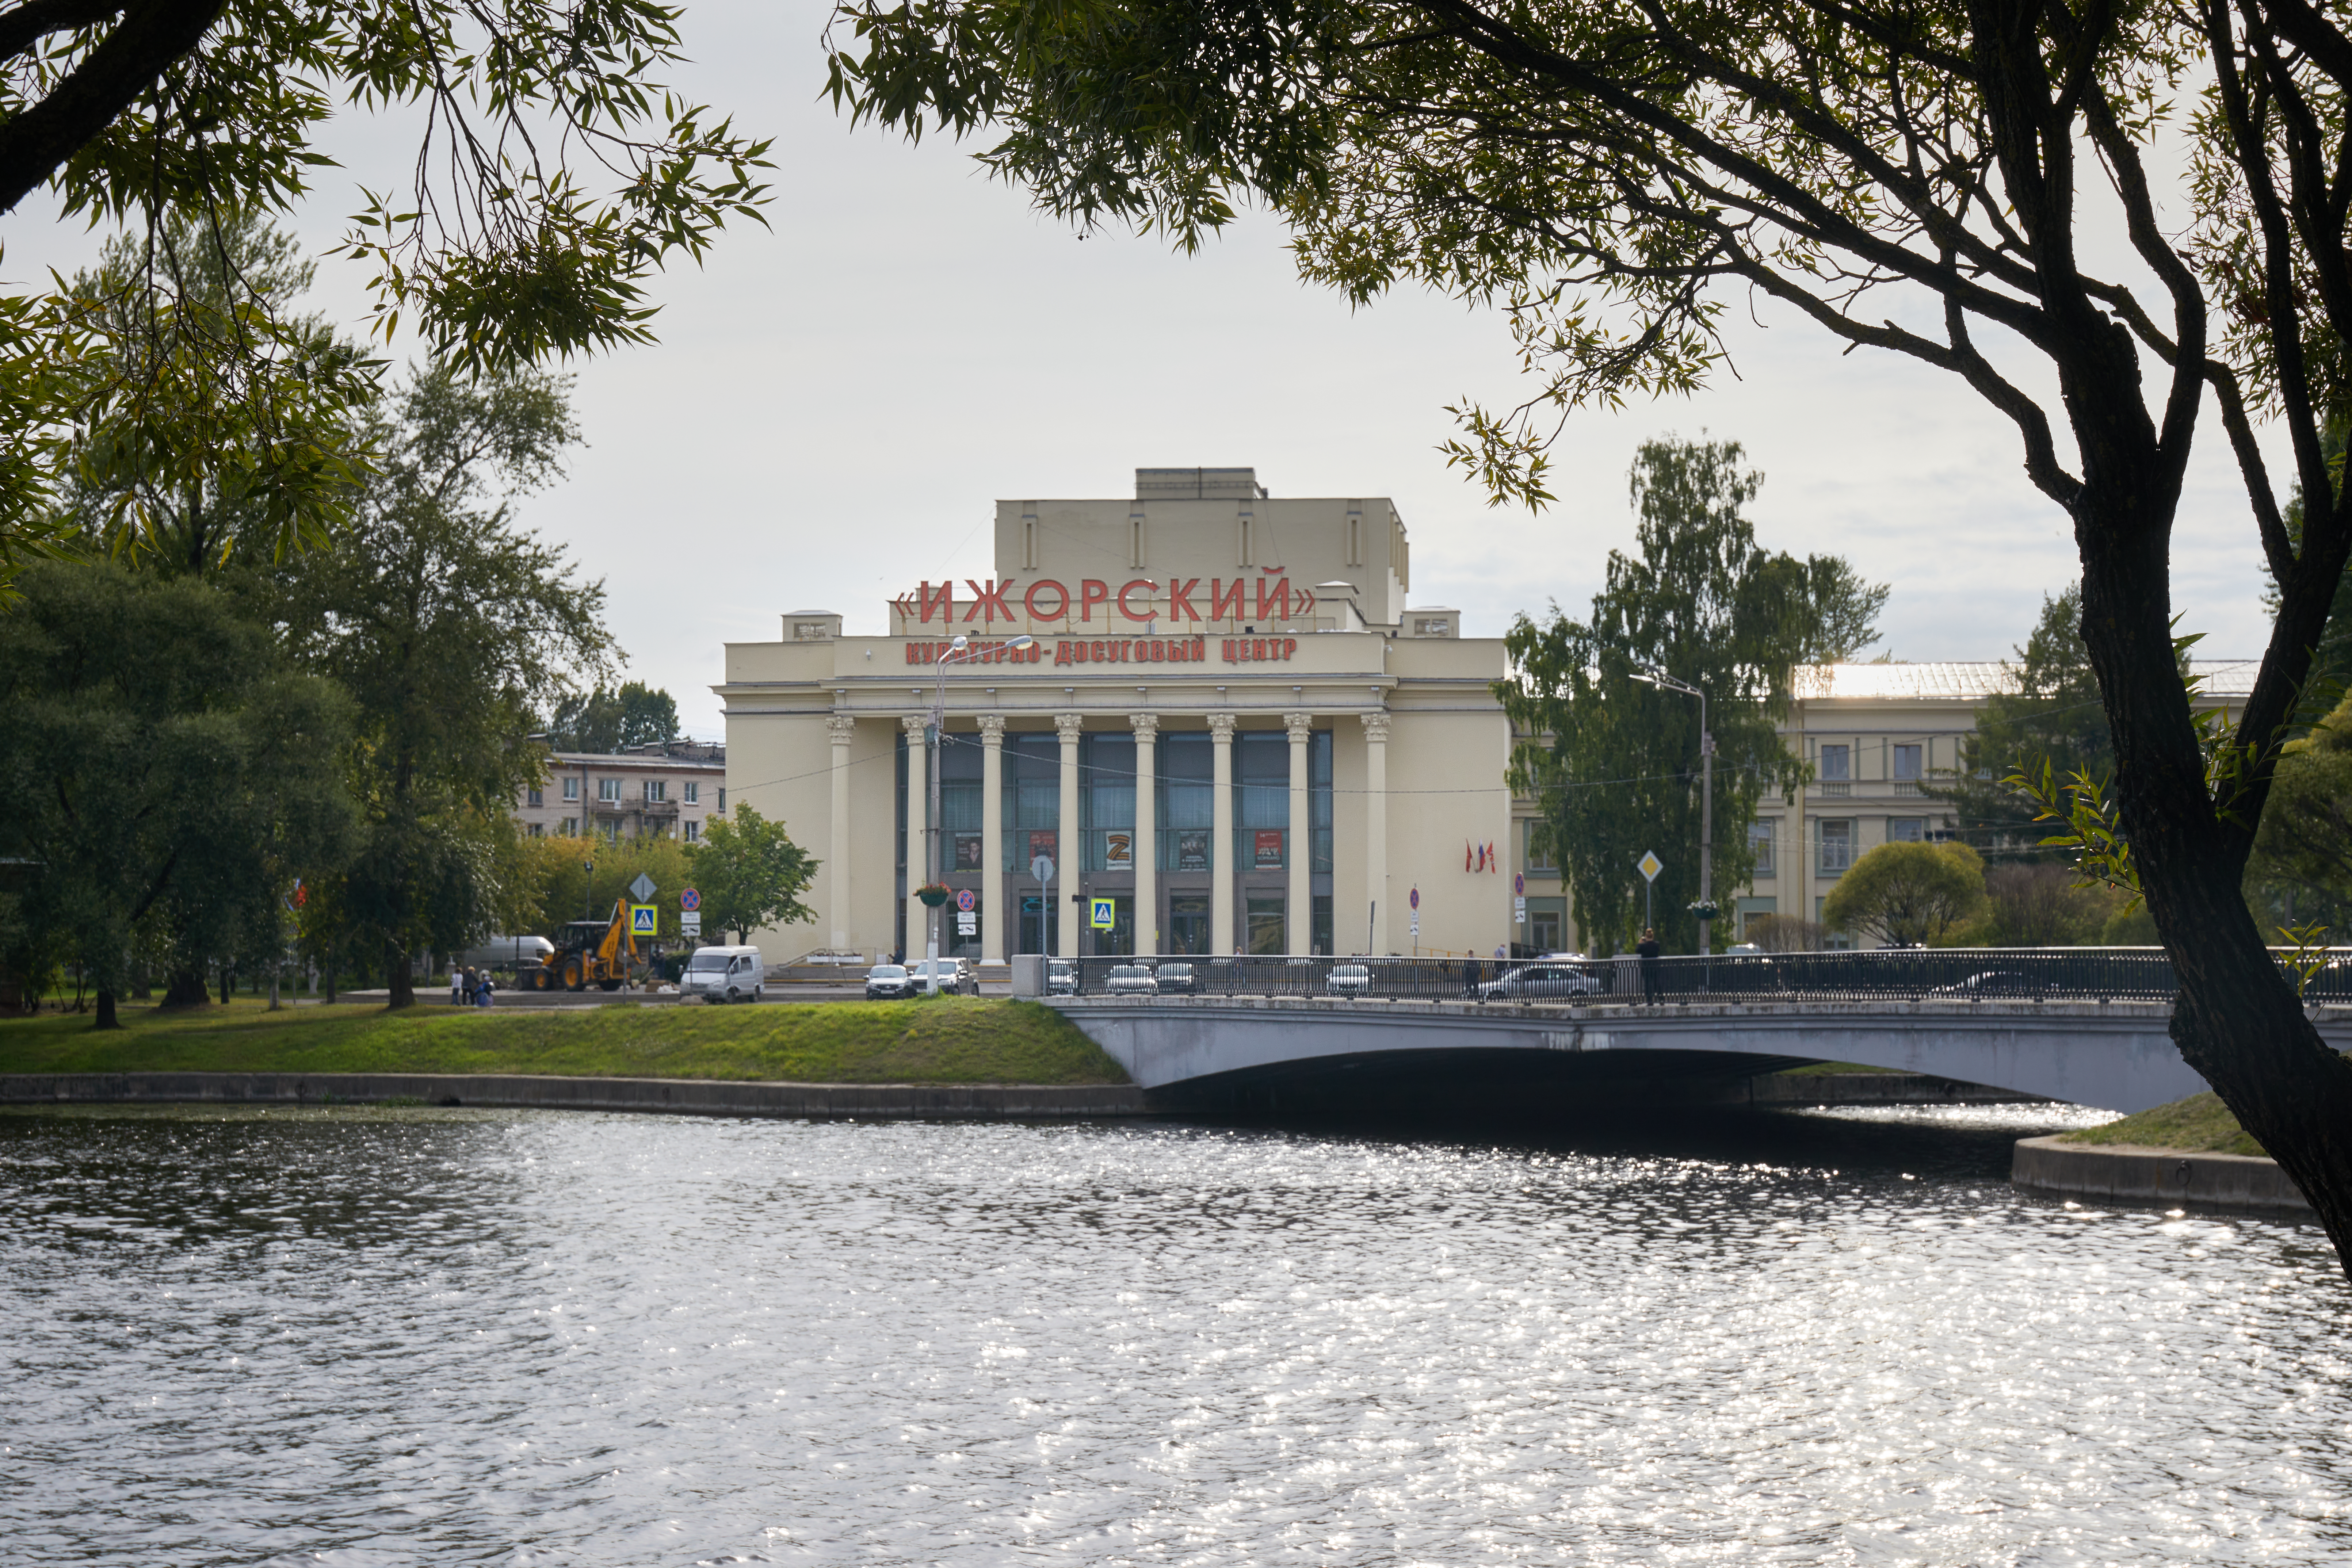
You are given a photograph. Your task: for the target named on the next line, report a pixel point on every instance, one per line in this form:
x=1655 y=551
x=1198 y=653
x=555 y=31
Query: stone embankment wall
x=700 y=1097
x=2137 y=1175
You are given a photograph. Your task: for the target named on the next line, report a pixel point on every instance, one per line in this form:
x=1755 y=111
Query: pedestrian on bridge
x=1648 y=949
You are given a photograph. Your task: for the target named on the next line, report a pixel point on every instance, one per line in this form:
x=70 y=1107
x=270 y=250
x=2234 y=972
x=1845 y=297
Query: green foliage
x=2303 y=855
x=603 y=722
x=449 y=625
x=1616 y=762
x=553 y=176
x=1904 y=894
x=750 y=874
x=2054 y=716
x=553 y=884
x=2198 y=1126
x=169 y=774
x=2036 y=904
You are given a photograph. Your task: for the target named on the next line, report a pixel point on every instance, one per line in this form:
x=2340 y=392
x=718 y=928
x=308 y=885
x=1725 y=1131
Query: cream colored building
x=1230 y=726
x=1875 y=733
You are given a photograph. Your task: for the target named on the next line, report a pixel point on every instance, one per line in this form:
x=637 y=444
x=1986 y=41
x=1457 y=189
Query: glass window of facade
x=1319 y=808
x=1837 y=844
x=962 y=796
x=1760 y=839
x=1261 y=800
x=1906 y=763
x=1106 y=777
x=1032 y=803
x=1187 y=774
x=1906 y=830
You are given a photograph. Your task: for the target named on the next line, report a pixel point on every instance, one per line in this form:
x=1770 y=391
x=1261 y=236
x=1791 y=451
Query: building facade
x=656 y=792
x=1876 y=735
x=1228 y=733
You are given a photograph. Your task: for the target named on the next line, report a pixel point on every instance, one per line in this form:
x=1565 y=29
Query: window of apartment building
x=1539 y=853
x=1906 y=761
x=1836 y=843
x=613 y=831
x=694 y=792
x=571 y=827
x=608 y=789
x=1906 y=830
x=1837 y=769
x=538 y=830
x=693 y=828
x=1761 y=838
x=571 y=789
x=1832 y=941
x=657 y=790
x=535 y=797
x=721 y=808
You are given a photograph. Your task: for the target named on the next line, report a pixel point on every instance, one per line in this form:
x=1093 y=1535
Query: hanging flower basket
x=1704 y=911
x=933 y=894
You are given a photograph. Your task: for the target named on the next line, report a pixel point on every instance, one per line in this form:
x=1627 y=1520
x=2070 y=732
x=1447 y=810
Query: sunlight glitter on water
x=402 y=1337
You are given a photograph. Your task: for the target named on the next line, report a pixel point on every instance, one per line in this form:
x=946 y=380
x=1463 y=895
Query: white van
x=724 y=975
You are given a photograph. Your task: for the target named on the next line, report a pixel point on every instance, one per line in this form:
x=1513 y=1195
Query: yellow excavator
x=597 y=952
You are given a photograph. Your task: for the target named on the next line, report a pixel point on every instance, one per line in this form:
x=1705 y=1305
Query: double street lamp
x=1665 y=682
x=959 y=652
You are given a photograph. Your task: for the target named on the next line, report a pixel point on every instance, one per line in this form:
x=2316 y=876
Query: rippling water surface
x=448 y=1337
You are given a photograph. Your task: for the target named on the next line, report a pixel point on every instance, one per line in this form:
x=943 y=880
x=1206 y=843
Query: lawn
x=2199 y=1124
x=952 y=1039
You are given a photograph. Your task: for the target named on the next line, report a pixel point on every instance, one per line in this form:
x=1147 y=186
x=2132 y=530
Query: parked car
x=890 y=982
x=1132 y=981
x=724 y=975
x=1348 y=980
x=1061 y=977
x=1176 y=977
x=1536 y=982
x=505 y=953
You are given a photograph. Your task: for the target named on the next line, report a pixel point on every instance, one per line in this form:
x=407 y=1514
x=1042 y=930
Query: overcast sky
x=836 y=403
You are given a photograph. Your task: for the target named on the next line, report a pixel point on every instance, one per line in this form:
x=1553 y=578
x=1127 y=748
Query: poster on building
x=1041 y=842
x=968 y=855
x=1193 y=850
x=1118 y=851
x=1269 y=848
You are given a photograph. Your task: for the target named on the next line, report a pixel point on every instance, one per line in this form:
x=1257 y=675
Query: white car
x=1132 y=981
x=1061 y=977
x=724 y=975
x=1349 y=980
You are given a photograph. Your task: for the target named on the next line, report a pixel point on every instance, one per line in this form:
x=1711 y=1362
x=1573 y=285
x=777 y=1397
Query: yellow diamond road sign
x=1650 y=865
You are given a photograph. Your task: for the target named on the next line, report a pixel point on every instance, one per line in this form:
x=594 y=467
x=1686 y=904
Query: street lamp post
x=1665 y=682
x=959 y=652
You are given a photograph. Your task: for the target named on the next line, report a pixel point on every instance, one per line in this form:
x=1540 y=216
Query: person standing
x=456 y=984
x=1648 y=949
x=482 y=991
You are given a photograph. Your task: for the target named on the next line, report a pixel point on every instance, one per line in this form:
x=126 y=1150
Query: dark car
x=1541 y=981
x=890 y=982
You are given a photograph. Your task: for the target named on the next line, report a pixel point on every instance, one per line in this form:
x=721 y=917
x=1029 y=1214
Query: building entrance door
x=1543 y=930
x=1119 y=940
x=1036 y=924
x=1265 y=926
x=1188 y=924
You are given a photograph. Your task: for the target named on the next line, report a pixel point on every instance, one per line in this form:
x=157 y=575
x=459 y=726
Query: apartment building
x=655 y=791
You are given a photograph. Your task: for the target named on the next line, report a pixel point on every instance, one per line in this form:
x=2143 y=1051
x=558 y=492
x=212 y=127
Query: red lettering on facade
x=1278 y=601
x=1097 y=654
x=1061 y=601
x=943 y=601
x=1290 y=646
x=991 y=600
x=1180 y=600
x=1091 y=593
x=1221 y=604
x=1130 y=588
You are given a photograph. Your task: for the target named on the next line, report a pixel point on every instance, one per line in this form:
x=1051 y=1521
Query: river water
x=398 y=1337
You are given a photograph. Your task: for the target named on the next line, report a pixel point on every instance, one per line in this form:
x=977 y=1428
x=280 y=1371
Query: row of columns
x=1067 y=727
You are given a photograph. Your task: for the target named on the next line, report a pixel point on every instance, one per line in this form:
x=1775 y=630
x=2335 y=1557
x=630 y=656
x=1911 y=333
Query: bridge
x=2078 y=1034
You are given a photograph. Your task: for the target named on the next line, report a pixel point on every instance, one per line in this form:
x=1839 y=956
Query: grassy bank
x=2199 y=1124
x=954 y=1040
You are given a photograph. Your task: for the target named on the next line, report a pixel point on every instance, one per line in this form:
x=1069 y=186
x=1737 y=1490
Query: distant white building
x=655 y=791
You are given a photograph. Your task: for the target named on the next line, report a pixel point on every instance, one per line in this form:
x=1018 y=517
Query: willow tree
x=1932 y=180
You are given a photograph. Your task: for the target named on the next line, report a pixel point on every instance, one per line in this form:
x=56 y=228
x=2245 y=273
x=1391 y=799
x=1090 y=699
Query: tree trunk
x=187 y=989
x=398 y=982
x=106 y=1018
x=2237 y=1019
x=330 y=982
x=226 y=973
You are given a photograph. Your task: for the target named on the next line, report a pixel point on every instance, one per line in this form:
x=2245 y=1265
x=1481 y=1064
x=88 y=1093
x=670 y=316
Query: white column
x=1221 y=835
x=1066 y=858
x=843 y=729
x=1298 y=842
x=991 y=837
x=1376 y=827
x=1147 y=832
x=918 y=797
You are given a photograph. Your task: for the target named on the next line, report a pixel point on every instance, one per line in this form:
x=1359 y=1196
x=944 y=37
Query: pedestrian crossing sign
x=1105 y=913
x=645 y=920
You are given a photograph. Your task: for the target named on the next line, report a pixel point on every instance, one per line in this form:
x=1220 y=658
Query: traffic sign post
x=643 y=889
x=645 y=920
x=1048 y=917
x=690 y=924
x=1649 y=865
x=689 y=900
x=966 y=901
x=1105 y=914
